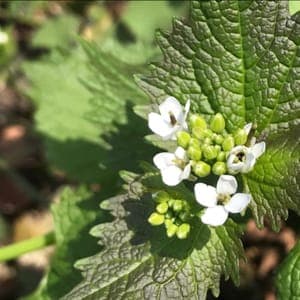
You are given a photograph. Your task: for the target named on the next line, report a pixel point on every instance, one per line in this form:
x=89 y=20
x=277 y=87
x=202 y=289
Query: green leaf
x=224 y=64
x=59 y=31
x=84 y=113
x=143 y=17
x=294 y=6
x=140 y=261
x=240 y=58
x=288 y=279
x=275 y=181
x=74 y=215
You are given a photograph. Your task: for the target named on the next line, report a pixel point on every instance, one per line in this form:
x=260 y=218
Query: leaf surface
x=139 y=261
x=74 y=214
x=241 y=58
x=288 y=278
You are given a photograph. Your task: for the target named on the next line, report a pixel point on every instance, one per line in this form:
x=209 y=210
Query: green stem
x=17 y=249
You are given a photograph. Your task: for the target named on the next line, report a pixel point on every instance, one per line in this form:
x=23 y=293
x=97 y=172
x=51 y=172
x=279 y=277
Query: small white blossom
x=220 y=201
x=242 y=159
x=174 y=167
x=3 y=37
x=172 y=118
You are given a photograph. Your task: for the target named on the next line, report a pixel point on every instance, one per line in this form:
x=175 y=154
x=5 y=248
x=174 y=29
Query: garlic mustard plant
x=204 y=148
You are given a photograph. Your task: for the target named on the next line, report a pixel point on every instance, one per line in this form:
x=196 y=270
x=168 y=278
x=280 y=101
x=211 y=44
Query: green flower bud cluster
x=208 y=145
x=173 y=213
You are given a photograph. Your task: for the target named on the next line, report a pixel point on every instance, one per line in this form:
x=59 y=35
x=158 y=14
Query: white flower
x=219 y=201
x=242 y=159
x=171 y=119
x=3 y=37
x=174 y=167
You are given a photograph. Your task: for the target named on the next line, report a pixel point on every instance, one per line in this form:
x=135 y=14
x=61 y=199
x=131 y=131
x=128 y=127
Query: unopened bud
x=218 y=148
x=183 y=231
x=207 y=141
x=221 y=156
x=194 y=153
x=240 y=137
x=178 y=205
x=219 y=139
x=194 y=143
x=162 y=208
x=171 y=230
x=219 y=168
x=156 y=219
x=197 y=121
x=168 y=223
x=161 y=197
x=209 y=152
x=202 y=133
x=228 y=143
x=201 y=169
x=217 y=123
x=183 y=139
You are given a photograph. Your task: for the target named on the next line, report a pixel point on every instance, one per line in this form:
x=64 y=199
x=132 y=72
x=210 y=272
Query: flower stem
x=17 y=249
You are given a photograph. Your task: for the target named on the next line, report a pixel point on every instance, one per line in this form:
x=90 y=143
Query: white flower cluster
x=175 y=167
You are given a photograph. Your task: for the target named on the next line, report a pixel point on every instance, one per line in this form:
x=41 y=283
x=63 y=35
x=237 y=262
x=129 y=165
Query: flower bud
x=240 y=137
x=194 y=143
x=178 y=205
x=228 y=143
x=197 y=121
x=221 y=156
x=161 y=197
x=171 y=230
x=201 y=133
x=162 y=208
x=210 y=152
x=168 y=223
x=183 y=231
x=218 y=138
x=194 y=153
x=207 y=141
x=183 y=139
x=201 y=169
x=217 y=123
x=219 y=168
x=156 y=219
x=218 y=148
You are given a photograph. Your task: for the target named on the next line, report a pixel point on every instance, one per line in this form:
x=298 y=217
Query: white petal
x=249 y=163
x=258 y=149
x=186 y=172
x=205 y=194
x=238 y=203
x=163 y=160
x=180 y=153
x=215 y=216
x=187 y=108
x=247 y=128
x=172 y=175
x=172 y=105
x=227 y=185
x=159 y=126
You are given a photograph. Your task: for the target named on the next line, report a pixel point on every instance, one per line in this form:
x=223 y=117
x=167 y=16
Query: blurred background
x=40 y=63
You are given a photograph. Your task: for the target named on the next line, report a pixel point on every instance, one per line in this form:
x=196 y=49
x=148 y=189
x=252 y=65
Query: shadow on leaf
x=161 y=245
